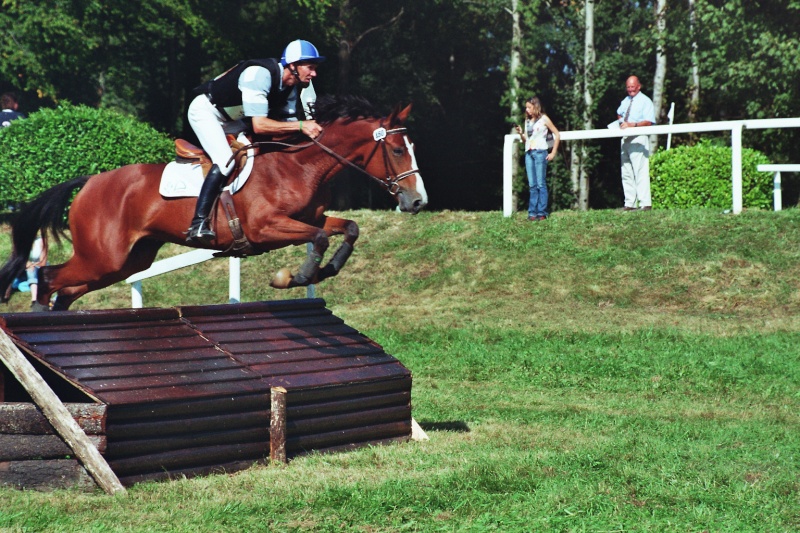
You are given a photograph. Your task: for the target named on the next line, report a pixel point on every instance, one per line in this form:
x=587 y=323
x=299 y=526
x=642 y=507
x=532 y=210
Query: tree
x=694 y=86
x=660 y=77
x=46 y=52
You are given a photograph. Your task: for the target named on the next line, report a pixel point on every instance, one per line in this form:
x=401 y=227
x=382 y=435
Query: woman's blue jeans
x=536 y=167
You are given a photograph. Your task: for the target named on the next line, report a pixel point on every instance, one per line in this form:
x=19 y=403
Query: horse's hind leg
x=80 y=274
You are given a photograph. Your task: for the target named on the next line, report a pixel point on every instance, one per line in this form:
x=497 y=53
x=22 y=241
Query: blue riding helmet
x=301 y=50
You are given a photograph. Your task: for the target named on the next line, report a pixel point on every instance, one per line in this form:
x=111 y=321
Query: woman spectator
x=537 y=155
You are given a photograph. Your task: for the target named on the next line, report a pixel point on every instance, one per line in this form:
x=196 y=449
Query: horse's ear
x=400 y=116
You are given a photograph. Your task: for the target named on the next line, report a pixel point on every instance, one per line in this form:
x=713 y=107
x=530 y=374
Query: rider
x=266 y=96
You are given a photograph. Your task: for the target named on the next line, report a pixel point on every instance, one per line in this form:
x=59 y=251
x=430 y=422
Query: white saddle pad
x=186 y=179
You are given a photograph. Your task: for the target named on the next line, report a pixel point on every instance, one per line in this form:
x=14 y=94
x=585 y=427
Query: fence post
x=277 y=425
x=137 y=302
x=508 y=147
x=777 y=198
x=736 y=166
x=234 y=281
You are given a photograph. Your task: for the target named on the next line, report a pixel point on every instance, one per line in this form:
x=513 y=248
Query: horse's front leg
x=338 y=226
x=308 y=270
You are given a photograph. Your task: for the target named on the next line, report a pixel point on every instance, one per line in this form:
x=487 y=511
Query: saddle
x=186 y=152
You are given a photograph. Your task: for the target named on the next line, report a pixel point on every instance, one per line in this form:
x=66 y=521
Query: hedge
x=700 y=176
x=55 y=145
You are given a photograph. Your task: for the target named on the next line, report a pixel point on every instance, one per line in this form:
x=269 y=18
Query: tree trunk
x=588 y=102
x=661 y=65
x=694 y=98
x=514 y=111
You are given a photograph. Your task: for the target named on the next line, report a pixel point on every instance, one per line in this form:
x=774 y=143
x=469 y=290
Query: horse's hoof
x=282 y=279
x=36 y=307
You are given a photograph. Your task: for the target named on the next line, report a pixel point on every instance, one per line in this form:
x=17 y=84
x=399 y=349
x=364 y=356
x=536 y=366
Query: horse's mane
x=328 y=108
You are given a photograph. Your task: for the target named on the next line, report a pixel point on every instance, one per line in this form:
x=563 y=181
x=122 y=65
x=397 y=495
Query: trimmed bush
x=55 y=145
x=700 y=176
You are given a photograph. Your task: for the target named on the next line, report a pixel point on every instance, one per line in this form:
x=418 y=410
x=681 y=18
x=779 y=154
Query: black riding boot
x=200 y=231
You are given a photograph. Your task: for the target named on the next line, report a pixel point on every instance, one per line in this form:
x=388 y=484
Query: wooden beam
x=24 y=418
x=44 y=397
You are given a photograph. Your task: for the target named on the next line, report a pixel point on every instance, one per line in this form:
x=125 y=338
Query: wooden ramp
x=186 y=390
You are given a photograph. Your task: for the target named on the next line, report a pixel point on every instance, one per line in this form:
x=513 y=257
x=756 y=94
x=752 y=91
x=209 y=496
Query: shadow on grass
x=455 y=426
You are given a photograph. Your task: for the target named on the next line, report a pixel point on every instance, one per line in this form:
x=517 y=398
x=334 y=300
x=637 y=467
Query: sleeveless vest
x=224 y=90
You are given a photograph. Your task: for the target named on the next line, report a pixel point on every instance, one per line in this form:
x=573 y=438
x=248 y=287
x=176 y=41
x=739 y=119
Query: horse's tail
x=45 y=214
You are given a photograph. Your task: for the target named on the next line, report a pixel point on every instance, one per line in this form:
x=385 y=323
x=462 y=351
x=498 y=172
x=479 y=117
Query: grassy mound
x=597 y=371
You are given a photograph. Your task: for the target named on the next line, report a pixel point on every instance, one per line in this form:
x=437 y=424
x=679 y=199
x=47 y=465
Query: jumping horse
x=118 y=220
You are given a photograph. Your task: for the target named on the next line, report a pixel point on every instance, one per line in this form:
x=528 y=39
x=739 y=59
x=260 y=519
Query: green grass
x=599 y=371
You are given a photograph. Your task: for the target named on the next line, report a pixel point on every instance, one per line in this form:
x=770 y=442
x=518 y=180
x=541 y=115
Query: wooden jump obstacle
x=188 y=391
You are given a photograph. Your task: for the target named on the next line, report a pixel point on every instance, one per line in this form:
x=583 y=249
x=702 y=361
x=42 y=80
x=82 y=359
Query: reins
x=380 y=134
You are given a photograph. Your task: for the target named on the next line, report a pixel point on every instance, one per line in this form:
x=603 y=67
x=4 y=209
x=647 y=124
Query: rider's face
x=306 y=71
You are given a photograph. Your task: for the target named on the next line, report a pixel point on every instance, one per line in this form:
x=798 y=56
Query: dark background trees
x=450 y=58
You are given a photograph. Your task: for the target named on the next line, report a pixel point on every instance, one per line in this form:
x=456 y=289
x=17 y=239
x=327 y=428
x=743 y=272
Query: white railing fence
x=735 y=127
x=192 y=258
x=776 y=180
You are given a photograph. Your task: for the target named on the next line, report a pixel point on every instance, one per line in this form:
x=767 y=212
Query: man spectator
x=9 y=105
x=636 y=110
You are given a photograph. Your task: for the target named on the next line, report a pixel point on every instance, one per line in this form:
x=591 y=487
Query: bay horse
x=118 y=220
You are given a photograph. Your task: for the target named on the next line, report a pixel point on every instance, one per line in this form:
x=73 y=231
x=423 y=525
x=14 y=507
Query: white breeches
x=211 y=126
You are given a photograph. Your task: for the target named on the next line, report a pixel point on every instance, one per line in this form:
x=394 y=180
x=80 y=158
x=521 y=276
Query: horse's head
x=398 y=163
x=380 y=147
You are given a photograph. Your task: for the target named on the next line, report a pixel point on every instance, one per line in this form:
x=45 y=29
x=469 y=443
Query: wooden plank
x=178 y=473
x=118 y=449
x=69 y=346
x=230 y=403
x=153 y=368
x=225 y=325
x=328 y=364
x=360 y=436
x=122 y=332
x=348 y=406
x=93 y=317
x=58 y=415
x=244 y=309
x=338 y=377
x=348 y=390
x=123 y=360
x=22 y=418
x=278 y=332
x=46 y=475
x=304 y=354
x=28 y=447
x=185 y=426
x=337 y=422
x=188 y=458
x=298 y=343
x=193 y=391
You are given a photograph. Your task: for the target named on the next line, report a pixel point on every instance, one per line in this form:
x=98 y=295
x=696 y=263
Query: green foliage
x=55 y=145
x=700 y=176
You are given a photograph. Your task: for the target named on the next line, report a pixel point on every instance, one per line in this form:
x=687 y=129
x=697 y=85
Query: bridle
x=393 y=178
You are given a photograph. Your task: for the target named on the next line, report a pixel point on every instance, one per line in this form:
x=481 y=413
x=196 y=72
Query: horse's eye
x=398 y=151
